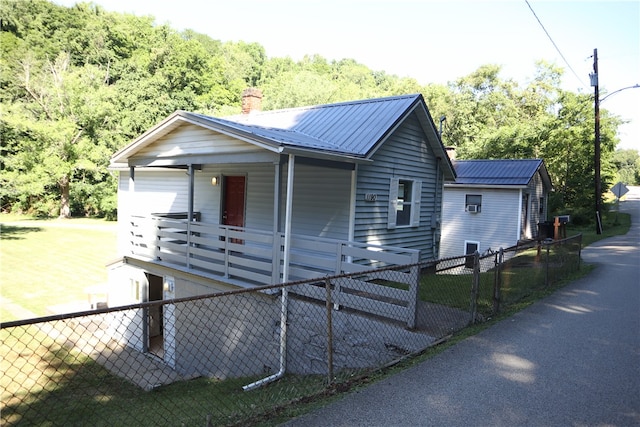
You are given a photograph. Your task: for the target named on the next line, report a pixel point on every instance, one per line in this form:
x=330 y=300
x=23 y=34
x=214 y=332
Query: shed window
x=470 y=248
x=404 y=203
x=541 y=207
x=473 y=203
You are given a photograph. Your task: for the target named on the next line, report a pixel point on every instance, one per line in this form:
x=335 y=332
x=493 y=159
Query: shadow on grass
x=12 y=232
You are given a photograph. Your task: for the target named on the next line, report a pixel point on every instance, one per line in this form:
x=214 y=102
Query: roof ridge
x=332 y=105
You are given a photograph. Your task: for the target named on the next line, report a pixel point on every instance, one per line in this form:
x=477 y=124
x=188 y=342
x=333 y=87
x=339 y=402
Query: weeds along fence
x=238 y=357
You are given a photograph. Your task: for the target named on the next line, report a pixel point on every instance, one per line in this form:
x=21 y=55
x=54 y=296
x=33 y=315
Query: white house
x=493 y=204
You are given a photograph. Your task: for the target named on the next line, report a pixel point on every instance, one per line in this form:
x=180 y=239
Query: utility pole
x=596 y=153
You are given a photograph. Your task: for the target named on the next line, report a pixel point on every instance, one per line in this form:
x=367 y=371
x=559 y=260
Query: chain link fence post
x=475 y=285
x=546 y=276
x=329 y=307
x=497 y=284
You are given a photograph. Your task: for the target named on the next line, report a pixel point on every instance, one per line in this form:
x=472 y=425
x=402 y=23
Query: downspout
x=284 y=303
x=436 y=225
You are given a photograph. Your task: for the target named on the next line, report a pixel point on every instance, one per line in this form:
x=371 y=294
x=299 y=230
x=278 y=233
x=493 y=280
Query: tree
x=78 y=83
x=627 y=164
x=57 y=122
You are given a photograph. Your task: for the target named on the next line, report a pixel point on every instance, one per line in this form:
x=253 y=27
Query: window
x=541 y=207
x=404 y=203
x=473 y=203
x=470 y=248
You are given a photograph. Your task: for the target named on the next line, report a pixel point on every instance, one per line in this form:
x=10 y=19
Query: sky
x=434 y=41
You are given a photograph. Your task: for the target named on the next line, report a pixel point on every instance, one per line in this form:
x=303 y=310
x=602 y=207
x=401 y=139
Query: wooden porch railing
x=255 y=257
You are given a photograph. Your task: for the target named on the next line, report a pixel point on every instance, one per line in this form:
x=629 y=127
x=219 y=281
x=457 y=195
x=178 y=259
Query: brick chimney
x=451 y=152
x=251 y=100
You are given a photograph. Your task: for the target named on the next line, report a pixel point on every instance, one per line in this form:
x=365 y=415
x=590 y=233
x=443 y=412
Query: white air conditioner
x=473 y=208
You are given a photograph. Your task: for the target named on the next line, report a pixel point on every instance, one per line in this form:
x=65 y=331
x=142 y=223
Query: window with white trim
x=404 y=203
x=473 y=203
x=470 y=248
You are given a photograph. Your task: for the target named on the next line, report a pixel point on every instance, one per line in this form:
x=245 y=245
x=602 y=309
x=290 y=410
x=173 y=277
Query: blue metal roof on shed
x=497 y=172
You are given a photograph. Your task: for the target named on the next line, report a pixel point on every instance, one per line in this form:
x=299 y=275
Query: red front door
x=233 y=191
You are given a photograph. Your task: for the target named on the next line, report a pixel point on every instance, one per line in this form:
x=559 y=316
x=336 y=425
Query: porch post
x=276 y=197
x=132 y=178
x=191 y=191
x=287 y=220
x=132 y=189
x=190 y=213
x=128 y=214
x=276 y=256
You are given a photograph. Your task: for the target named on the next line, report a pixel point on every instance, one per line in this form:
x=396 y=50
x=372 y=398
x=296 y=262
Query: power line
x=554 y=44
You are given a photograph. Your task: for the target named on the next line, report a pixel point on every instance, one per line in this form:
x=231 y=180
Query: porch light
x=215 y=181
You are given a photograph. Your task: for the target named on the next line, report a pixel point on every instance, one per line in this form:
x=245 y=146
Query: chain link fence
x=239 y=357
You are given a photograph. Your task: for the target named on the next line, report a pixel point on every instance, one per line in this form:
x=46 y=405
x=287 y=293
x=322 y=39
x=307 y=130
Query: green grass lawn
x=613 y=224
x=46 y=263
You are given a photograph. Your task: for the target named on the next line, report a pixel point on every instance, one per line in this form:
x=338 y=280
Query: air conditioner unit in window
x=473 y=208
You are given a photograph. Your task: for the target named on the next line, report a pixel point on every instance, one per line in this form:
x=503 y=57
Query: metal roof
x=352 y=128
x=345 y=131
x=506 y=172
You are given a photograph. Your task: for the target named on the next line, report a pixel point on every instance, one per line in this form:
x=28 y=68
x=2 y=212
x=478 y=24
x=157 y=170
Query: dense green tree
x=492 y=118
x=78 y=83
x=627 y=164
x=63 y=112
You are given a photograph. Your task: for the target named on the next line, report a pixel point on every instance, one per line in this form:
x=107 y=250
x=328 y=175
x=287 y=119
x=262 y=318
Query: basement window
x=470 y=248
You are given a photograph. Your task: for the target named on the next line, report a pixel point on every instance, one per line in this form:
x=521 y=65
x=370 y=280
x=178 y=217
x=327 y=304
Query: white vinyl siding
x=156 y=190
x=495 y=227
x=190 y=139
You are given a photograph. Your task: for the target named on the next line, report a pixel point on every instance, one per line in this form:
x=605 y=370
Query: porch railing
x=255 y=257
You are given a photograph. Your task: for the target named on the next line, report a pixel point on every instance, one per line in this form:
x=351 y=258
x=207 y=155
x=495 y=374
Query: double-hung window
x=404 y=203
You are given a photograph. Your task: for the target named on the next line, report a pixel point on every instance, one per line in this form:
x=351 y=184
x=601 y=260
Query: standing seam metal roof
x=353 y=127
x=344 y=130
x=496 y=172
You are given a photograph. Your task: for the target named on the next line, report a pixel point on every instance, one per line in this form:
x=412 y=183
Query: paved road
x=572 y=359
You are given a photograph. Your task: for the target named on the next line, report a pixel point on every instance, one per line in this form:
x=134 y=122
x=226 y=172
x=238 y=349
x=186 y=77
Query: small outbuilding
x=493 y=204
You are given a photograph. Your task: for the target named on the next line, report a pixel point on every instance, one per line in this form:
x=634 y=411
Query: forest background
x=78 y=83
